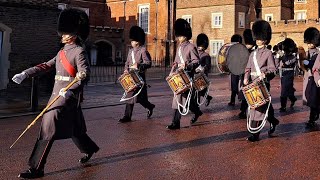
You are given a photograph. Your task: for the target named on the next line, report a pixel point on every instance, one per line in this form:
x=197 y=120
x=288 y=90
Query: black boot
x=175 y=120
x=283 y=101
x=173 y=126
x=293 y=100
x=150 y=111
x=195 y=117
x=273 y=125
x=124 y=119
x=254 y=136
x=31 y=174
x=87 y=157
x=209 y=98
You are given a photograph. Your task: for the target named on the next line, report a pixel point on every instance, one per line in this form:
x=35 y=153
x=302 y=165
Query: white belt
x=287 y=69
x=62 y=78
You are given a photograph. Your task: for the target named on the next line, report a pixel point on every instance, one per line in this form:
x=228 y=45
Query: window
x=268 y=17
x=188 y=18
x=215 y=46
x=301 y=1
x=300 y=15
x=216 y=20
x=144 y=17
x=242 y=19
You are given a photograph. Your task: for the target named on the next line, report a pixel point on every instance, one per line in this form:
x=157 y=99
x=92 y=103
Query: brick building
x=27 y=35
x=221 y=19
x=150 y=15
x=218 y=19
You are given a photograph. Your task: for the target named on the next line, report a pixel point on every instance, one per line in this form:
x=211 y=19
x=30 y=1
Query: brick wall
x=291 y=29
x=33 y=38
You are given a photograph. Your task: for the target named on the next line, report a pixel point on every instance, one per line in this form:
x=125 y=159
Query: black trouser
x=271 y=119
x=314 y=114
x=233 y=96
x=129 y=107
x=283 y=100
x=194 y=108
x=244 y=106
x=42 y=148
x=255 y=124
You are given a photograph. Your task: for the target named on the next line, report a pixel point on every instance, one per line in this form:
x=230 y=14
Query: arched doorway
x=104 y=54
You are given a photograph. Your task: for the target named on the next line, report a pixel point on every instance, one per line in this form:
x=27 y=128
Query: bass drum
x=232 y=57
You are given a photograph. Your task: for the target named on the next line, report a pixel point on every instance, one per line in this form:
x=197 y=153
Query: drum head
x=237 y=58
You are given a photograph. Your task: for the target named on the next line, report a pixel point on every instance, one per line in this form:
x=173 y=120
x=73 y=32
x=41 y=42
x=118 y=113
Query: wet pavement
x=213 y=148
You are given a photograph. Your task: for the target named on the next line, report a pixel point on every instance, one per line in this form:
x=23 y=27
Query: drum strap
x=180 y=55
x=133 y=58
x=256 y=63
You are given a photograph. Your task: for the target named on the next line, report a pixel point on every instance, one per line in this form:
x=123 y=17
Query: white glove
x=305 y=62
x=65 y=94
x=199 y=69
x=277 y=55
x=18 y=78
x=318 y=83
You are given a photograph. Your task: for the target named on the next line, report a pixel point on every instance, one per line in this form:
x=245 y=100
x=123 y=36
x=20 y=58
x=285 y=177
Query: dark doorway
x=104 y=54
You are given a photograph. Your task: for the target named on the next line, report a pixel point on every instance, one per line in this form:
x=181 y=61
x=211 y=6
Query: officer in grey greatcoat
x=265 y=62
x=288 y=63
x=138 y=60
x=310 y=89
x=64 y=119
x=205 y=61
x=187 y=58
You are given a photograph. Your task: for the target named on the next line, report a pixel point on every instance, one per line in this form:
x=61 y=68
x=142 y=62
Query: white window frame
x=140 y=7
x=215 y=50
x=188 y=18
x=301 y=1
x=300 y=11
x=266 y=16
x=241 y=18
x=213 y=16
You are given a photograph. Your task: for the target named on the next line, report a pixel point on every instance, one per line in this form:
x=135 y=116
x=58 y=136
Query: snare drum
x=256 y=93
x=179 y=82
x=232 y=57
x=131 y=81
x=200 y=82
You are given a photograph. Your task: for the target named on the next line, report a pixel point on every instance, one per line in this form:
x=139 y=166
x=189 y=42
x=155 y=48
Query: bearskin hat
x=137 y=34
x=311 y=36
x=182 y=28
x=236 y=38
x=289 y=46
x=203 y=41
x=74 y=21
x=247 y=36
x=261 y=30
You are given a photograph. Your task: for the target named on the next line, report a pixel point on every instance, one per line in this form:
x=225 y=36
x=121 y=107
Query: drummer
x=236 y=38
x=250 y=44
x=187 y=58
x=138 y=59
x=261 y=60
x=205 y=62
x=288 y=63
x=310 y=81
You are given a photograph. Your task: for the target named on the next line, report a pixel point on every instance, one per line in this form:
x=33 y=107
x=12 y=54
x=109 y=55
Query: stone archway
x=5 y=49
x=105 y=53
